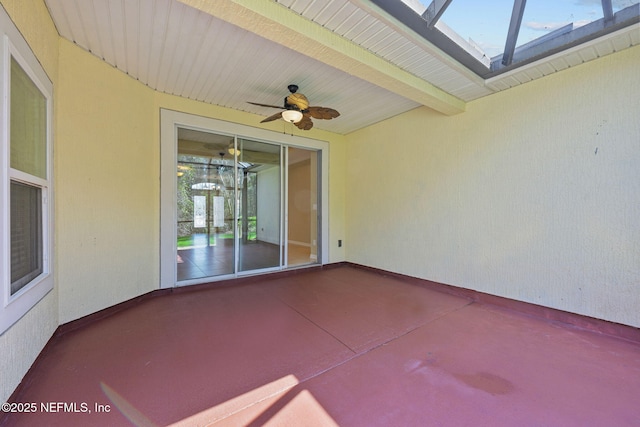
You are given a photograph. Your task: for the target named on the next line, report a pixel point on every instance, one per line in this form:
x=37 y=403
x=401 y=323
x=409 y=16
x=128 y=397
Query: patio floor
x=338 y=346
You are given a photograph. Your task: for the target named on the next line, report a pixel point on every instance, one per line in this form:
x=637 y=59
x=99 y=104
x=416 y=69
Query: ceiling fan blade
x=265 y=105
x=305 y=123
x=323 y=113
x=272 y=118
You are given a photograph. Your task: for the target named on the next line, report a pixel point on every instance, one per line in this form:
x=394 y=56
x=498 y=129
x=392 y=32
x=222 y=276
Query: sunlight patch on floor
x=231 y=406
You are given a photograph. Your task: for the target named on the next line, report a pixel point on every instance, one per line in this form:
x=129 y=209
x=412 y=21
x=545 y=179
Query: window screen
x=26 y=234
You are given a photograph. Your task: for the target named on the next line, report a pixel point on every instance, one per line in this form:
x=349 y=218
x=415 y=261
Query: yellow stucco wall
x=107 y=175
x=34 y=22
x=532 y=193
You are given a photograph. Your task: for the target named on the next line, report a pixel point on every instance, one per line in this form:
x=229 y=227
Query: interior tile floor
x=338 y=346
x=206 y=261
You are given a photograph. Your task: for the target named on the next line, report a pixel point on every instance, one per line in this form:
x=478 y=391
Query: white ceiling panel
x=181 y=50
x=348 y=22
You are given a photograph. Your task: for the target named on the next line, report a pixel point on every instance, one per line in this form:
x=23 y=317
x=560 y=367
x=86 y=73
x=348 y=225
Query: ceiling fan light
x=291 y=116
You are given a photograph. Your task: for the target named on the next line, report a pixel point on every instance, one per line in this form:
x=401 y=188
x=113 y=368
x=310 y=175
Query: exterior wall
x=338 y=179
x=21 y=344
x=108 y=186
x=531 y=194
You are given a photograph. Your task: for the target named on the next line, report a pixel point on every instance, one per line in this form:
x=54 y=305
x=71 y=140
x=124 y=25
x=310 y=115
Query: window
x=26 y=215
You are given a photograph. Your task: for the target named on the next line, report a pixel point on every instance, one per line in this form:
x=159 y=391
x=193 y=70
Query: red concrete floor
x=340 y=346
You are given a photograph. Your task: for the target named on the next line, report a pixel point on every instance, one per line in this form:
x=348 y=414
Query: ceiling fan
x=297 y=110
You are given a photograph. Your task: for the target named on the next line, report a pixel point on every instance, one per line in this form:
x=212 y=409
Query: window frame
x=14 y=307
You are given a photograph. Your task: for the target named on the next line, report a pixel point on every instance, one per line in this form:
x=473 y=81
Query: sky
x=487 y=23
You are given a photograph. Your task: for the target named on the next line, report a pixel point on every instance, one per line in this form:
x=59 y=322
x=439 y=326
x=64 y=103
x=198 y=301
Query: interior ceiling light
x=291 y=116
x=182 y=169
x=231 y=149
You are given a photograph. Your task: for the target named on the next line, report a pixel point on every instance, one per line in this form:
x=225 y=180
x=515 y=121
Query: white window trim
x=14 y=307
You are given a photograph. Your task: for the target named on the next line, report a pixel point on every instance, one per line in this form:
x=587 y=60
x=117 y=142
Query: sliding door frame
x=170 y=121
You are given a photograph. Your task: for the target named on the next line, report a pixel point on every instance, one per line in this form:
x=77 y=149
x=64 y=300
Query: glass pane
x=28 y=124
x=542 y=17
x=302 y=207
x=26 y=234
x=205 y=208
x=622 y=4
x=486 y=24
x=480 y=23
x=259 y=216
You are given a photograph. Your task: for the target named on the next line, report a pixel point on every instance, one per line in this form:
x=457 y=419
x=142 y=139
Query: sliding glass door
x=235 y=205
x=229 y=205
x=260 y=206
x=205 y=205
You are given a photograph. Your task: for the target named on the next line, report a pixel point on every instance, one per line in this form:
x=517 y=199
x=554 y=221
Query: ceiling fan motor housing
x=296 y=101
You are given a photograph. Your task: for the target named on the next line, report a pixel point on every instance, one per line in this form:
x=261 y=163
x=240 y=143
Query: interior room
x=347 y=212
